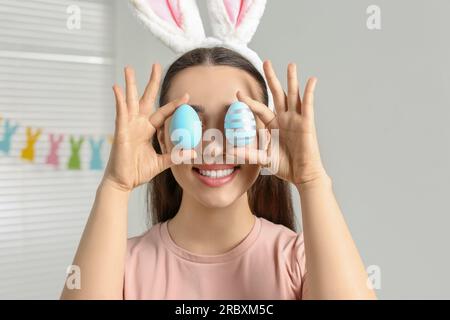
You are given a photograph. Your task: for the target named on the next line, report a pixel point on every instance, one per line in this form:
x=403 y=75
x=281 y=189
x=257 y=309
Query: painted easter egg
x=185 y=127
x=240 y=124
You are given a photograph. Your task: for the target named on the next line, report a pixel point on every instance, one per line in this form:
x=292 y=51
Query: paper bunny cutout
x=9 y=131
x=74 y=160
x=177 y=23
x=96 y=162
x=52 y=157
x=28 y=150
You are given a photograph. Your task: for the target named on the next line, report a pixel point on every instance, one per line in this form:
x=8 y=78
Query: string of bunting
x=52 y=157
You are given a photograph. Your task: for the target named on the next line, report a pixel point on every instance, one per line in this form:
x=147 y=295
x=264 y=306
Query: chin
x=219 y=191
x=213 y=200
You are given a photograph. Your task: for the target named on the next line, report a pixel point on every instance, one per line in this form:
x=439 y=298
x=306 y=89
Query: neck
x=210 y=231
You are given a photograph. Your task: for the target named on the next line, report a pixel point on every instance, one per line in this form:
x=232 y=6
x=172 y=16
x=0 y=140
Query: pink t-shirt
x=269 y=263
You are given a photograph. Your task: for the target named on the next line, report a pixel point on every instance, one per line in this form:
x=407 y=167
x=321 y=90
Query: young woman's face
x=213 y=89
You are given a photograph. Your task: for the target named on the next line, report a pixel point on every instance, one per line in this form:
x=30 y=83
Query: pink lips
x=215 y=182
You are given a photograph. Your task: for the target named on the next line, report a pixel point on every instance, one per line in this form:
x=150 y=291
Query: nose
x=213 y=140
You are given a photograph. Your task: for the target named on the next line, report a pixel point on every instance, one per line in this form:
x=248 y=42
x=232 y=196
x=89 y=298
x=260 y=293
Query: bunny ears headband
x=177 y=23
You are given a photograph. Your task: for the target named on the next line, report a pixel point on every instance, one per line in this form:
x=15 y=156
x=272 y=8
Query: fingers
x=159 y=116
x=121 y=106
x=294 y=102
x=260 y=109
x=279 y=97
x=308 y=98
x=151 y=91
x=175 y=157
x=131 y=89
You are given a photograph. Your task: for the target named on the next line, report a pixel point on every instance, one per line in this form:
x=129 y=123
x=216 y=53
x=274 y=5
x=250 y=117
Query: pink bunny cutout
x=177 y=23
x=52 y=157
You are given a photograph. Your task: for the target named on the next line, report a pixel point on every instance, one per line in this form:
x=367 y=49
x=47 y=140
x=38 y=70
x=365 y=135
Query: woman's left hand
x=299 y=159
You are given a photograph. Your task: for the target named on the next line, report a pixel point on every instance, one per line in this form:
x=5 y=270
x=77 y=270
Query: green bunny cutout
x=74 y=160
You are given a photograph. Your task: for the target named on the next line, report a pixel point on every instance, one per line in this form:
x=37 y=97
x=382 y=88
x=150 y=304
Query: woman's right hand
x=133 y=160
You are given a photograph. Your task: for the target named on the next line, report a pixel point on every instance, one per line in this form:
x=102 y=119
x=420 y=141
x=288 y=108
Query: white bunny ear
x=177 y=23
x=235 y=20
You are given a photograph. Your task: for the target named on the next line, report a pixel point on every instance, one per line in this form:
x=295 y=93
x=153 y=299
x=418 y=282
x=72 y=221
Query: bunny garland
x=28 y=152
x=177 y=23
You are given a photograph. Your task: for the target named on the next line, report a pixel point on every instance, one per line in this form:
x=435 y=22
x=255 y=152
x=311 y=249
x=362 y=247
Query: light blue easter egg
x=186 y=119
x=240 y=124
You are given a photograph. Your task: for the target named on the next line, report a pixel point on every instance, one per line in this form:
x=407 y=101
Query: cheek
x=182 y=174
x=248 y=174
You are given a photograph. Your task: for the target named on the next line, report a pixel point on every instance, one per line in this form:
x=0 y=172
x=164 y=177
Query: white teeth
x=216 y=173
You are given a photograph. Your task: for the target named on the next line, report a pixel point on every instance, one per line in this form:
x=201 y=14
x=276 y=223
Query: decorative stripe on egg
x=240 y=124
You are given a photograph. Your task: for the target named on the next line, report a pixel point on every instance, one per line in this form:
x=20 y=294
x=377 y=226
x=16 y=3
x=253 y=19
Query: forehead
x=213 y=85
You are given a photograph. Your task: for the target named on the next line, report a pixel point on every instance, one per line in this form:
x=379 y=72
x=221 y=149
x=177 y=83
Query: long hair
x=269 y=197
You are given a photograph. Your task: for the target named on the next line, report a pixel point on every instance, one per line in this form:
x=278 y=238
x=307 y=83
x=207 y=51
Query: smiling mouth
x=216 y=177
x=216 y=174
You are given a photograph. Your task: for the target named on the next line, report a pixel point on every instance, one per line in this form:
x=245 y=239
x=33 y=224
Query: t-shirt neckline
x=240 y=248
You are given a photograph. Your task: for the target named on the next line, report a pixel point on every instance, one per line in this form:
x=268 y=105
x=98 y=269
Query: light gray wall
x=382 y=112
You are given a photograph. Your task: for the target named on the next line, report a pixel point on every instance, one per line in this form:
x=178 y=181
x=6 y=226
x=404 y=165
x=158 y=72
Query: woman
x=232 y=239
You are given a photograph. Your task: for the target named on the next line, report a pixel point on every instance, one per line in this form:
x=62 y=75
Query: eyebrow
x=198 y=108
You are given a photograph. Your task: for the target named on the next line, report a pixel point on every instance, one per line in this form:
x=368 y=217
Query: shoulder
x=143 y=253
x=145 y=242
x=281 y=235
x=287 y=244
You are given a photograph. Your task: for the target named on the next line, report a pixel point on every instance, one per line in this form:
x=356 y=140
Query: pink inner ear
x=168 y=10
x=236 y=10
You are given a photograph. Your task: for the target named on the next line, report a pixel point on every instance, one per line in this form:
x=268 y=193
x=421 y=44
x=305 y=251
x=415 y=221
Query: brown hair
x=269 y=197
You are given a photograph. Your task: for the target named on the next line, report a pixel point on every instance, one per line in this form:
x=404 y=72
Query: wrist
x=321 y=179
x=110 y=184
